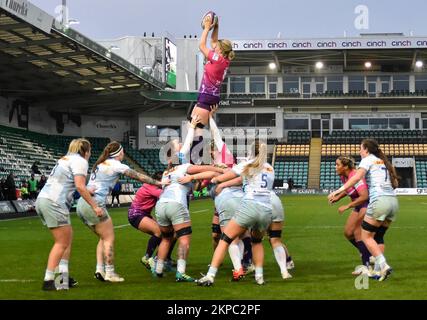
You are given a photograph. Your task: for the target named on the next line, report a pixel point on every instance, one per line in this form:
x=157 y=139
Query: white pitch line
x=122 y=226
x=16 y=280
x=22 y=218
x=198 y=211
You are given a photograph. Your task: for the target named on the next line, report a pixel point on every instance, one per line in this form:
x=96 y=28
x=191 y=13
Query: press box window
x=150 y=130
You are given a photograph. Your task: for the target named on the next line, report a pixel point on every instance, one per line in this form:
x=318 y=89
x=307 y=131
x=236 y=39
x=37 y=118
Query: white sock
x=159 y=266
x=49 y=275
x=100 y=268
x=259 y=272
x=63 y=266
x=380 y=262
x=234 y=252
x=241 y=248
x=280 y=255
x=109 y=269
x=212 y=272
x=181 y=264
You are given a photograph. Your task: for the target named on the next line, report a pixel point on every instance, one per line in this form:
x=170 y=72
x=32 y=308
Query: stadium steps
x=314 y=163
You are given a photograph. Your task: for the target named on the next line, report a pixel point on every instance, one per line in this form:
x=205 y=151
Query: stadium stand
x=291 y=162
x=382 y=136
x=298 y=137
x=148 y=159
x=292 y=158
x=20 y=149
x=394 y=143
x=421 y=170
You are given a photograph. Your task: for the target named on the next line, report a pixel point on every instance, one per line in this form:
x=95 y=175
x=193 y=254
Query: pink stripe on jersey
x=353 y=192
x=146 y=198
x=225 y=156
x=215 y=69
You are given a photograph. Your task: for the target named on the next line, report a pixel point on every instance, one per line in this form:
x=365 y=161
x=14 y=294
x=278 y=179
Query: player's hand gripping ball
x=213 y=19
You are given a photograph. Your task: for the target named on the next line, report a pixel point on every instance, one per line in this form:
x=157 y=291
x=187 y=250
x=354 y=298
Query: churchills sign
x=19 y=8
x=106 y=125
x=29 y=13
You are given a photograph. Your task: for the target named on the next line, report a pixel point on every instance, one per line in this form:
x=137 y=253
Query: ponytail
x=112 y=149
x=260 y=158
x=347 y=161
x=226 y=48
x=391 y=169
x=231 y=55
x=80 y=146
x=373 y=148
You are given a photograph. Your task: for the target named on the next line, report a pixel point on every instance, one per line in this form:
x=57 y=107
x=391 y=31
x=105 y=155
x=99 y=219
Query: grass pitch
x=313 y=233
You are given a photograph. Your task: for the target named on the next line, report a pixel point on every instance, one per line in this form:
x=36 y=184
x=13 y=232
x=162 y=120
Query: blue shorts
x=358 y=208
x=205 y=101
x=135 y=216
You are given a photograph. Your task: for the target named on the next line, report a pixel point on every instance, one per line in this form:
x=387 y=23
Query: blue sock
x=247 y=253
x=153 y=243
x=365 y=254
x=354 y=243
x=171 y=248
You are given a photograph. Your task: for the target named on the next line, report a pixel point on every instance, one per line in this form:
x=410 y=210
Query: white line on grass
x=198 y=211
x=16 y=280
x=122 y=226
x=22 y=218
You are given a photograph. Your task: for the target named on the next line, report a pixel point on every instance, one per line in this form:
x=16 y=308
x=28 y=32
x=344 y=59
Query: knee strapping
x=226 y=238
x=275 y=234
x=369 y=227
x=379 y=235
x=256 y=240
x=183 y=232
x=216 y=228
x=167 y=235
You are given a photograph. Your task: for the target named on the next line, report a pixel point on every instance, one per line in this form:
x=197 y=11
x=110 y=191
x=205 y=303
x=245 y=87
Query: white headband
x=116 y=153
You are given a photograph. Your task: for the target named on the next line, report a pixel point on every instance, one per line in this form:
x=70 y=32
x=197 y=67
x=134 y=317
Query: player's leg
x=353 y=232
x=62 y=241
x=167 y=235
x=105 y=230
x=231 y=231
x=216 y=230
x=100 y=263
x=183 y=233
x=150 y=226
x=258 y=255
x=275 y=235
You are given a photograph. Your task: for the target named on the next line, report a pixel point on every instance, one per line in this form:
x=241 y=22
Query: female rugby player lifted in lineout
x=218 y=61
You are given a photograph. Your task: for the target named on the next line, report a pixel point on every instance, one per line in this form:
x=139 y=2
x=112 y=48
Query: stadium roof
x=49 y=64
